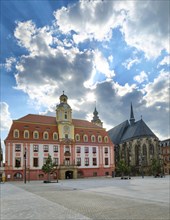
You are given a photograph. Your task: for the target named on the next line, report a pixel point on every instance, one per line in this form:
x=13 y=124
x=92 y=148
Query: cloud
x=5 y=119
x=143 y=23
x=141 y=77
x=9 y=62
x=165 y=61
x=156 y=92
x=130 y=62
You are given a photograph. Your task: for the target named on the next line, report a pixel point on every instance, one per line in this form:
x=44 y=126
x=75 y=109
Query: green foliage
x=48 y=166
x=156 y=166
x=122 y=168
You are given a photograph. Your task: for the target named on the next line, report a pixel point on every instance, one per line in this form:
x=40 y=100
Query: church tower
x=96 y=120
x=64 y=119
x=132 y=118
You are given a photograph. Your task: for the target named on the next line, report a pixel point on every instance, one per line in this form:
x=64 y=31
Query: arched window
x=65 y=115
x=45 y=135
x=137 y=155
x=55 y=136
x=93 y=138
x=16 y=133
x=26 y=134
x=85 y=138
x=35 y=134
x=106 y=139
x=77 y=137
x=99 y=138
x=144 y=154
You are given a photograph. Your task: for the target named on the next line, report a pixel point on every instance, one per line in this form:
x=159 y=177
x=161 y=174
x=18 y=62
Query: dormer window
x=35 y=135
x=55 y=136
x=85 y=138
x=26 y=134
x=16 y=133
x=45 y=135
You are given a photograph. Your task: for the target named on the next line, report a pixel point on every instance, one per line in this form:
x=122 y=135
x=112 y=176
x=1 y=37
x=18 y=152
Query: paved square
x=92 y=198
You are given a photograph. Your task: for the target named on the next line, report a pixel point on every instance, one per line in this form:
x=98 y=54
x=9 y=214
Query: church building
x=78 y=148
x=136 y=144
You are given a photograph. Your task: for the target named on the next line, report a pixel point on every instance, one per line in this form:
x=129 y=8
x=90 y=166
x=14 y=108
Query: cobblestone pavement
x=92 y=198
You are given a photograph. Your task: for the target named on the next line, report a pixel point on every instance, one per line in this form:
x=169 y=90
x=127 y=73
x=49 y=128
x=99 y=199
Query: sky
x=102 y=53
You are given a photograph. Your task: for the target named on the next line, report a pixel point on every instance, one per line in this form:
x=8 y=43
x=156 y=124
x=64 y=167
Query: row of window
x=55 y=149
x=55 y=136
x=67 y=161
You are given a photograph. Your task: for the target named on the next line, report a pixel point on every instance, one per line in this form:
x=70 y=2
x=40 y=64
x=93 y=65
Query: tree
x=156 y=167
x=48 y=167
x=122 y=168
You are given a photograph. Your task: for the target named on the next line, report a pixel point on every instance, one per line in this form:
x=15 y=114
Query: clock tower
x=64 y=119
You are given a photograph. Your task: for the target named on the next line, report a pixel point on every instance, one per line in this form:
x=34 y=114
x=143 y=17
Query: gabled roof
x=138 y=129
x=51 y=120
x=117 y=132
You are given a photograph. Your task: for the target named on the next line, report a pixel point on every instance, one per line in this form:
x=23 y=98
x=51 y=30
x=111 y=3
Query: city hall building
x=78 y=148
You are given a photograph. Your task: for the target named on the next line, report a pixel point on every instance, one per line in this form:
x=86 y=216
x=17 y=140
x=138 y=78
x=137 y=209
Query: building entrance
x=69 y=174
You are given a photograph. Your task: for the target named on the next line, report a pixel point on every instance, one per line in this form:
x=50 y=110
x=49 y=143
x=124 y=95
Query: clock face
x=66 y=129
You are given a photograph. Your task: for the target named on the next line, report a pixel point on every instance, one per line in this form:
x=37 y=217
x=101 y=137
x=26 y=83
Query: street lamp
x=142 y=159
x=25 y=166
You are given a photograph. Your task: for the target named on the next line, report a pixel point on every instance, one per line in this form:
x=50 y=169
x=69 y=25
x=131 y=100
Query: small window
x=86 y=161
x=106 y=150
x=94 y=150
x=86 y=150
x=78 y=150
x=55 y=136
x=35 y=148
x=18 y=162
x=99 y=138
x=44 y=160
x=26 y=134
x=93 y=138
x=106 y=161
x=85 y=138
x=106 y=139
x=94 y=161
x=45 y=148
x=77 y=137
x=17 y=147
x=16 y=133
x=65 y=115
x=35 y=162
x=78 y=161
x=36 y=135
x=45 y=135
x=55 y=148
x=55 y=161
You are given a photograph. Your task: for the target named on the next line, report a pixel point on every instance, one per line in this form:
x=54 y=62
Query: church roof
x=138 y=129
x=117 y=132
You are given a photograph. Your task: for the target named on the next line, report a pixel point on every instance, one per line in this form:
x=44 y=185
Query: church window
x=55 y=136
x=26 y=134
x=35 y=135
x=16 y=133
x=93 y=138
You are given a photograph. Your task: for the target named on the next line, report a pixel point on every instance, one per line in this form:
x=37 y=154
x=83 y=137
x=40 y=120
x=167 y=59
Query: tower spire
x=96 y=120
x=132 y=118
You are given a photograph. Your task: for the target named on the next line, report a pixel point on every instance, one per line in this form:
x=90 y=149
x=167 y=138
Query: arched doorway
x=69 y=174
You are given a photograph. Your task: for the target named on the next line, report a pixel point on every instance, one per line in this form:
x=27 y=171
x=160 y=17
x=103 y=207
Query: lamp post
x=142 y=159
x=25 y=166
